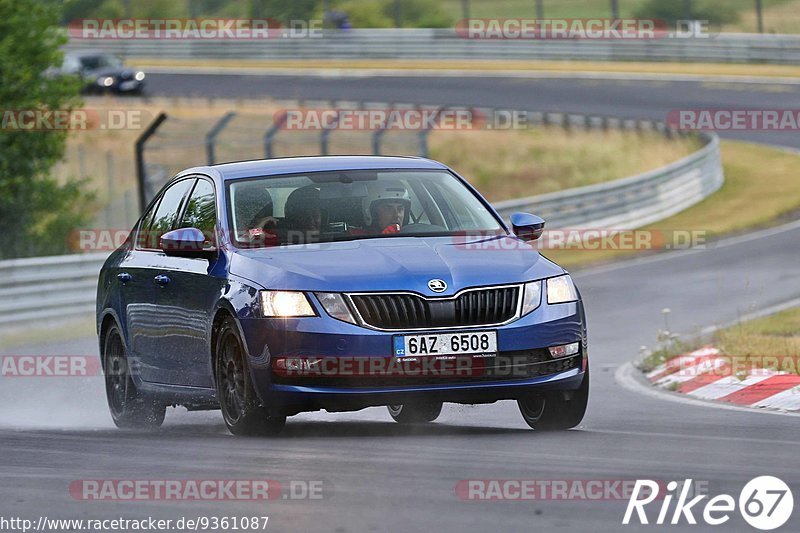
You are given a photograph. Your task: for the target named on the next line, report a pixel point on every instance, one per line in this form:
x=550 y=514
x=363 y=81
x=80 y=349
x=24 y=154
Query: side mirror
x=526 y=226
x=187 y=242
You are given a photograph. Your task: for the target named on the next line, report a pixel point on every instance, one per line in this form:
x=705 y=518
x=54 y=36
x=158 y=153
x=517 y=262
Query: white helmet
x=384 y=191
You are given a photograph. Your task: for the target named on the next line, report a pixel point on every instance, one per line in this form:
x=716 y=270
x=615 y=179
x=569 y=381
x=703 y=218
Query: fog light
x=564 y=350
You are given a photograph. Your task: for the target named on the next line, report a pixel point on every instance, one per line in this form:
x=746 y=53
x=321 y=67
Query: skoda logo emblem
x=437 y=285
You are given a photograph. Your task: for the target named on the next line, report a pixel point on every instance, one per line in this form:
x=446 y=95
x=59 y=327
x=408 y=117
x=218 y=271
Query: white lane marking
x=788 y=400
x=726 y=385
x=629 y=377
x=665 y=256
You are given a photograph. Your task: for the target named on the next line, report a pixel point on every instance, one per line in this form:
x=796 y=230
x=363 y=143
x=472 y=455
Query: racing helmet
x=390 y=191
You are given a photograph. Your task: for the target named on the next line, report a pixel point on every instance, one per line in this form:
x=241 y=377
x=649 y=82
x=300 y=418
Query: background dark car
x=102 y=72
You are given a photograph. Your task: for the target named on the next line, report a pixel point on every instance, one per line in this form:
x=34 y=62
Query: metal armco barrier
x=422 y=43
x=46 y=288
x=630 y=202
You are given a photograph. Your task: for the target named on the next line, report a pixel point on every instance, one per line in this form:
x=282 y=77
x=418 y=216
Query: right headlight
x=561 y=290
x=532 y=297
x=334 y=305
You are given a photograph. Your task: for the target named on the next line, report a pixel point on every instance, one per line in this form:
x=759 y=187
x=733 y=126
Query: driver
x=386 y=207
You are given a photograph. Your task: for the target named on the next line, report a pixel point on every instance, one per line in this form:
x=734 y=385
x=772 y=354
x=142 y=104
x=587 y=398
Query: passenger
x=303 y=215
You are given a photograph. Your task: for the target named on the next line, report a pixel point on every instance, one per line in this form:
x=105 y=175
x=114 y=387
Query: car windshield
x=347 y=205
x=99 y=61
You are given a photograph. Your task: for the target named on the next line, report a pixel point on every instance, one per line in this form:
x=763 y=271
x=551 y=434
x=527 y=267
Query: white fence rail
x=423 y=43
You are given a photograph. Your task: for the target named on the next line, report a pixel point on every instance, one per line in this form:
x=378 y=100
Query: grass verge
x=771 y=342
x=760 y=188
x=515 y=164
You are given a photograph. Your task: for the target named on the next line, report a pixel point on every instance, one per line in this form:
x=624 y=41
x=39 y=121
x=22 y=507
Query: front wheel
x=241 y=408
x=556 y=410
x=415 y=413
x=129 y=407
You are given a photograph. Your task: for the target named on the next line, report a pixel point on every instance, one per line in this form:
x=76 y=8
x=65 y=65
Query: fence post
x=110 y=181
x=141 y=174
x=270 y=134
x=211 y=136
x=377 y=137
x=423 y=135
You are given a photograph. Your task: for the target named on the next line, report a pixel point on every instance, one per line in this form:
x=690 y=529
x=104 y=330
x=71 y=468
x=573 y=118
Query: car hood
x=394 y=263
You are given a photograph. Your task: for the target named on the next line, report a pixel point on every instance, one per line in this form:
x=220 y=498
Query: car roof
x=290 y=165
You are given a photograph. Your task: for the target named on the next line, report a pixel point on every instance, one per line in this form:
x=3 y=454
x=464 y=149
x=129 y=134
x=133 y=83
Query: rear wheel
x=415 y=413
x=241 y=408
x=129 y=407
x=556 y=410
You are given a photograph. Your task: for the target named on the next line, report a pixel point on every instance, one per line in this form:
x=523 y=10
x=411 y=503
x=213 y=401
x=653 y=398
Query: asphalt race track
x=379 y=476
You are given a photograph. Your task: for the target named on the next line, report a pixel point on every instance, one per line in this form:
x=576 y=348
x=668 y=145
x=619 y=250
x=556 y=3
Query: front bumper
x=521 y=344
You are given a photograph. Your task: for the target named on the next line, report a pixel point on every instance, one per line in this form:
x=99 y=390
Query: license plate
x=475 y=342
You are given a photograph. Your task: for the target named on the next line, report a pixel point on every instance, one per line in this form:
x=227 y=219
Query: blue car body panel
x=168 y=330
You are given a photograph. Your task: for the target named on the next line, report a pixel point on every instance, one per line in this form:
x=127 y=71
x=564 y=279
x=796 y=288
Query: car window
x=200 y=210
x=102 y=61
x=147 y=220
x=167 y=212
x=71 y=64
x=343 y=205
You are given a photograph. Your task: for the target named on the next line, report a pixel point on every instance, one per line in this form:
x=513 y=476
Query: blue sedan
x=269 y=288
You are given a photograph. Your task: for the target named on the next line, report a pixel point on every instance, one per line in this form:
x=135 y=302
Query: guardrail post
x=141 y=175
x=423 y=135
x=377 y=137
x=270 y=134
x=211 y=136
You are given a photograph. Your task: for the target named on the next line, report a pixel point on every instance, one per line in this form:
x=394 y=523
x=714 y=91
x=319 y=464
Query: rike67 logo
x=765 y=502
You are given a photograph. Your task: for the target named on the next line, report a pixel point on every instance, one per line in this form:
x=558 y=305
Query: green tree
x=37 y=213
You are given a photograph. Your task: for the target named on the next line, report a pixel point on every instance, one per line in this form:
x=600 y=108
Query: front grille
x=476 y=307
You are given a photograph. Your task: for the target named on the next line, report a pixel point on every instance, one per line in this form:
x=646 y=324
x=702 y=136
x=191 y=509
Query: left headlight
x=561 y=290
x=285 y=304
x=139 y=76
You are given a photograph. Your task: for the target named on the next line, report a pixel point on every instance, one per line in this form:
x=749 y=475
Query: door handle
x=161 y=279
x=124 y=277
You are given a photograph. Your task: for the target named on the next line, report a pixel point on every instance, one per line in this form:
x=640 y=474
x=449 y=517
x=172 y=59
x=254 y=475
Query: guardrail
x=630 y=202
x=424 y=43
x=46 y=288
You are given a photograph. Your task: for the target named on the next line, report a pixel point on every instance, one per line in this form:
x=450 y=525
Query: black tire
x=415 y=413
x=241 y=409
x=129 y=407
x=557 y=410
